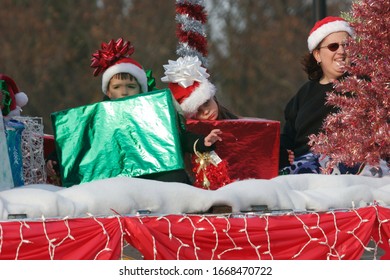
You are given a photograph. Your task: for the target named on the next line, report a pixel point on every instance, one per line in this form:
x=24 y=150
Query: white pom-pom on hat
x=21 y=99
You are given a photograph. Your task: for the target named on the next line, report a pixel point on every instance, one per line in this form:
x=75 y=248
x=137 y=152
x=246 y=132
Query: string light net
x=336 y=234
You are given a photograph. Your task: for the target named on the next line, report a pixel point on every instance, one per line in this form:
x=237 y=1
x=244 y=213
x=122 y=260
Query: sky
x=127 y=196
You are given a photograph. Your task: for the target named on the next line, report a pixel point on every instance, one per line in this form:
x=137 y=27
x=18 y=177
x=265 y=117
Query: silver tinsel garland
x=189 y=24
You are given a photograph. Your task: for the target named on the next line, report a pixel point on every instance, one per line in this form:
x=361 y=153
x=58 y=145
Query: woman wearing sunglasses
x=306 y=111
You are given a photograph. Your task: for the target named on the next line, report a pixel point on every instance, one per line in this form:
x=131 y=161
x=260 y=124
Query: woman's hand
x=50 y=168
x=51 y=173
x=291 y=157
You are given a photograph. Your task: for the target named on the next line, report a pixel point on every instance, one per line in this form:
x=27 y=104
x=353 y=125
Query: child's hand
x=291 y=157
x=50 y=168
x=212 y=137
x=51 y=173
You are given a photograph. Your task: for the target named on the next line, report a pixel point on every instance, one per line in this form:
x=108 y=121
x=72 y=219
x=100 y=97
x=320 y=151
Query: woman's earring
x=318 y=63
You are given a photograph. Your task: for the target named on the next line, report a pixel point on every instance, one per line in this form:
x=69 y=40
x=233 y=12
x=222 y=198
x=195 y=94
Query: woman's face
x=118 y=88
x=208 y=111
x=332 y=62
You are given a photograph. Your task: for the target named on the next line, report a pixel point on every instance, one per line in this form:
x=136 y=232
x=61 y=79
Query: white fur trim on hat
x=130 y=68
x=324 y=30
x=198 y=97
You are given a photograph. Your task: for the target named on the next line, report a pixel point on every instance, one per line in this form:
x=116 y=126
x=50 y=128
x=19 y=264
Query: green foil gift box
x=127 y=137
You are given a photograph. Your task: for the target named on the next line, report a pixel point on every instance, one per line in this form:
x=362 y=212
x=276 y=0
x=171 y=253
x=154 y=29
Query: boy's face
x=118 y=88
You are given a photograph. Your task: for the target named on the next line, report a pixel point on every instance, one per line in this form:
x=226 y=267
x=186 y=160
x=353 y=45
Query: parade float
x=254 y=215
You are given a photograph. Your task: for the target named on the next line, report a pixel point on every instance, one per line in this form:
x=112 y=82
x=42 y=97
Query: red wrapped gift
x=48 y=145
x=250 y=146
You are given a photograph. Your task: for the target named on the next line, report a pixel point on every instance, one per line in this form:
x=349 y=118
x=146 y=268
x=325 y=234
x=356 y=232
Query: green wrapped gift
x=127 y=137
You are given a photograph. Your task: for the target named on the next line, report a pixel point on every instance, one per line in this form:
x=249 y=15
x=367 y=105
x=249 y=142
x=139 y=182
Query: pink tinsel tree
x=359 y=132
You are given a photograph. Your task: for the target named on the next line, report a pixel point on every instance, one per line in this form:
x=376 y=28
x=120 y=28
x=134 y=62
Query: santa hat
x=114 y=58
x=325 y=27
x=188 y=83
x=18 y=98
x=125 y=65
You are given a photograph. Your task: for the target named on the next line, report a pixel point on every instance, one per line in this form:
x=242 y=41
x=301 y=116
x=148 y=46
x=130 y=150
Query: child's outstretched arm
x=212 y=137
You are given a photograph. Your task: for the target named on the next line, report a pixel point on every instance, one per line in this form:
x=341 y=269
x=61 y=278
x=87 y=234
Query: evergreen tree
x=359 y=132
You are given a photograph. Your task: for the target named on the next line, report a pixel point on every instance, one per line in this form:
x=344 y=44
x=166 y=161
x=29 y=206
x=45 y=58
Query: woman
x=306 y=111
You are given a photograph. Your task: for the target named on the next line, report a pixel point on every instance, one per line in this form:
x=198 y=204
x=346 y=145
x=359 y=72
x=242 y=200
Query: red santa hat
x=188 y=83
x=125 y=65
x=325 y=27
x=114 y=58
x=18 y=98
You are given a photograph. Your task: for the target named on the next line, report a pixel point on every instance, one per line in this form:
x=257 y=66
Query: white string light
x=232 y=229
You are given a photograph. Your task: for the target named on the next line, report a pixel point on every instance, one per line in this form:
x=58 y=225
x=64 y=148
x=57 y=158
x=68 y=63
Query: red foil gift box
x=249 y=145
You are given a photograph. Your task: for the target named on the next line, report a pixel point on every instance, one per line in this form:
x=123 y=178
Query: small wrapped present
x=13 y=132
x=250 y=146
x=128 y=137
x=210 y=171
x=24 y=137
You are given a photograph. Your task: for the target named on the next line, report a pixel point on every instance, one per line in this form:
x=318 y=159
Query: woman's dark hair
x=311 y=67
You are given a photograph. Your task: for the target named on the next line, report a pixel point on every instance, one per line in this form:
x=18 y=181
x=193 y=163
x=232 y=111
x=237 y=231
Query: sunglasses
x=334 y=46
